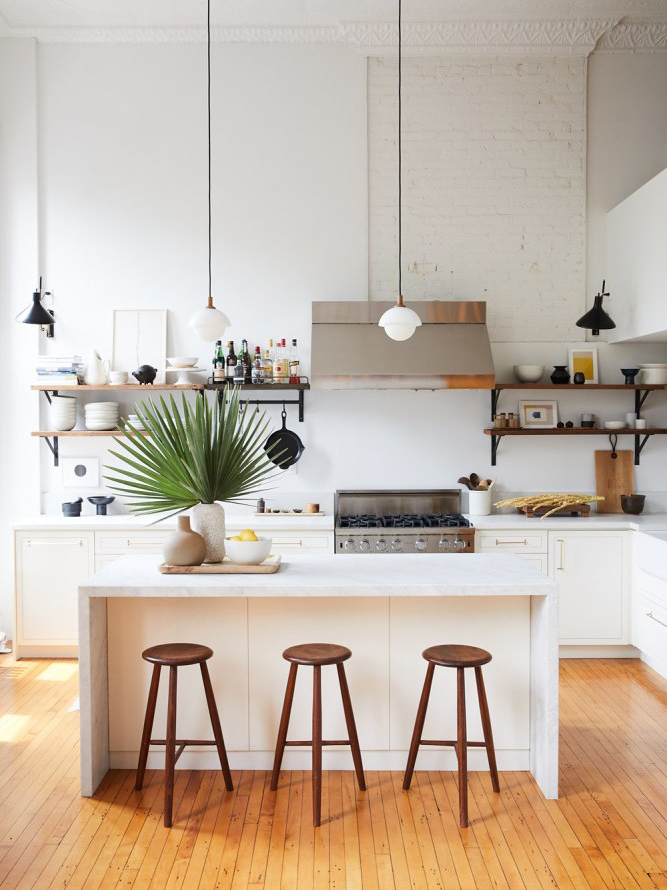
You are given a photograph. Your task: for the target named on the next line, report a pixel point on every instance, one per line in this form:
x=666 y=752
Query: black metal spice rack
x=52 y=437
x=641 y=437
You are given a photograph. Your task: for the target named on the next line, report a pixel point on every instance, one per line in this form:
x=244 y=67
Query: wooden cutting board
x=270 y=565
x=613 y=478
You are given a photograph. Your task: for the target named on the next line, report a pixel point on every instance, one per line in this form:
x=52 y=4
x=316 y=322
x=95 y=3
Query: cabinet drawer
x=300 y=543
x=650 y=585
x=512 y=542
x=102 y=561
x=650 y=634
x=539 y=561
x=130 y=542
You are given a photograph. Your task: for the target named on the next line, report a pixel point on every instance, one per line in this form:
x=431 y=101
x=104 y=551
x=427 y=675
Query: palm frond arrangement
x=198 y=454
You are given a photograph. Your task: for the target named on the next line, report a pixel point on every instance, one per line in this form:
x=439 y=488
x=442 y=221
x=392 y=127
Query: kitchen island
x=385 y=608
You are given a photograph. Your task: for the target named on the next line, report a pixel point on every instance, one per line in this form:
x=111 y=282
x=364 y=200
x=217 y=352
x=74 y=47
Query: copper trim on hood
x=451 y=349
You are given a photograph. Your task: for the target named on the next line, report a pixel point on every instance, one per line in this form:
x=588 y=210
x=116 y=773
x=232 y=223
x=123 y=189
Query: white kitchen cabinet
x=593 y=573
x=304 y=542
x=49 y=569
x=531 y=547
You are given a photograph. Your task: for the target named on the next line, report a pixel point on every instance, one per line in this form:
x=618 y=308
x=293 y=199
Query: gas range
x=402 y=522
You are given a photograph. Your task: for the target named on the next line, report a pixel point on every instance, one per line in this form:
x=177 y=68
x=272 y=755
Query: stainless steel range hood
x=450 y=350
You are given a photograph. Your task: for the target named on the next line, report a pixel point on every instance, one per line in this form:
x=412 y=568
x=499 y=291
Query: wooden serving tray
x=569 y=510
x=270 y=565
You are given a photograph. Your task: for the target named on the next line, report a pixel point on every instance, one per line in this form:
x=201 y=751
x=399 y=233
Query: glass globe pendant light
x=399 y=322
x=209 y=323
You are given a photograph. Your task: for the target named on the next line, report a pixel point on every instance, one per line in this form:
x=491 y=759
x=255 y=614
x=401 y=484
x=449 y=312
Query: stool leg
x=317 y=744
x=148 y=727
x=217 y=729
x=419 y=727
x=486 y=726
x=351 y=726
x=170 y=749
x=462 y=746
x=284 y=724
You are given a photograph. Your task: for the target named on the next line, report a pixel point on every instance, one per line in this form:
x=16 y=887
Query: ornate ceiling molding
x=561 y=37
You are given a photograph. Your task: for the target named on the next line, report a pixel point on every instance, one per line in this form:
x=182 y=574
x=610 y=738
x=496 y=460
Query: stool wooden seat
x=459 y=657
x=317 y=655
x=173 y=656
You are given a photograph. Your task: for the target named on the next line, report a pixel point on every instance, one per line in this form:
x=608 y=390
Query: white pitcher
x=96 y=369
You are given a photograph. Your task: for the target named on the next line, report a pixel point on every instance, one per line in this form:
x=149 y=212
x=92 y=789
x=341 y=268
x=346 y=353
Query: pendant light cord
x=400 y=163
x=208 y=106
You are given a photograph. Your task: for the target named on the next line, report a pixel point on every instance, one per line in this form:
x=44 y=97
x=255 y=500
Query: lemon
x=236 y=538
x=248 y=535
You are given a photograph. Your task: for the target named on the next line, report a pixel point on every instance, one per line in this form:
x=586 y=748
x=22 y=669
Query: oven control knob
x=397 y=545
x=349 y=544
x=364 y=545
x=459 y=544
x=381 y=545
x=444 y=545
x=420 y=545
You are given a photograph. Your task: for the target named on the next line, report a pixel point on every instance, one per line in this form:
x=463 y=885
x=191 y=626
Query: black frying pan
x=283 y=446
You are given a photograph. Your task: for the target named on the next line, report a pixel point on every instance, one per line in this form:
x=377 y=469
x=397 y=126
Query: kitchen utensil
x=182 y=361
x=463 y=480
x=613 y=477
x=72 y=508
x=283 y=447
x=248 y=553
x=614 y=424
x=633 y=503
x=101 y=502
x=528 y=373
x=483 y=485
x=560 y=374
x=479 y=502
x=96 y=370
x=474 y=480
x=145 y=374
x=270 y=565
x=630 y=374
x=117 y=378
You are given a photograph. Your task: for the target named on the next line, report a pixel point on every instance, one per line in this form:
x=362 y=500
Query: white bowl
x=101 y=405
x=182 y=361
x=529 y=373
x=653 y=375
x=615 y=424
x=100 y=426
x=248 y=553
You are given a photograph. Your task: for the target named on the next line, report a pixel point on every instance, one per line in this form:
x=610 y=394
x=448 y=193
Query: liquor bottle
x=231 y=362
x=218 y=363
x=247 y=362
x=258 y=367
x=294 y=373
x=267 y=361
x=280 y=365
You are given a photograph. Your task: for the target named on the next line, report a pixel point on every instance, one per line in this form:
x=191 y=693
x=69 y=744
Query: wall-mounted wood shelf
x=107 y=387
x=52 y=437
x=639 y=390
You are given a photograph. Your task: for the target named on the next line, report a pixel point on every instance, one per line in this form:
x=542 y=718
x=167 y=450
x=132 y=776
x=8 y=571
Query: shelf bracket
x=639 y=446
x=495 y=395
x=640 y=398
x=495 y=442
x=299 y=401
x=54 y=448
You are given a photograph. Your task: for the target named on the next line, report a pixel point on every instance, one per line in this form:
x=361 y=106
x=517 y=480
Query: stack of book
x=59 y=370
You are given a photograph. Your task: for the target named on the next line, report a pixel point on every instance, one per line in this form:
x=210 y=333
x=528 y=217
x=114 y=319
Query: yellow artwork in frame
x=584 y=360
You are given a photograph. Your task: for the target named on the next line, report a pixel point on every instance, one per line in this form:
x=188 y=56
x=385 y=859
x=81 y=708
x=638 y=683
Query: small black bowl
x=629 y=374
x=633 y=503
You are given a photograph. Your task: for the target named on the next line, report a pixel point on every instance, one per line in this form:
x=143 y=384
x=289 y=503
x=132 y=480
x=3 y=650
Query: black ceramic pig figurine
x=145 y=374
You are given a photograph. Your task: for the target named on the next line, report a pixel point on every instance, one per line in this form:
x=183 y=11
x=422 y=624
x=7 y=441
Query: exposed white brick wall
x=494 y=188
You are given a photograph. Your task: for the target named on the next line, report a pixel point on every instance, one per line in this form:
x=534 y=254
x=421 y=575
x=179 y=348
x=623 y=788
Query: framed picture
x=584 y=359
x=140 y=338
x=80 y=472
x=538 y=414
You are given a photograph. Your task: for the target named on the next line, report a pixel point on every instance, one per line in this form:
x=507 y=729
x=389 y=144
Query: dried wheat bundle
x=555 y=500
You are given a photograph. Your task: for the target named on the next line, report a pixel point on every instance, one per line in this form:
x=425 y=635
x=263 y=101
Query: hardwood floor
x=608 y=830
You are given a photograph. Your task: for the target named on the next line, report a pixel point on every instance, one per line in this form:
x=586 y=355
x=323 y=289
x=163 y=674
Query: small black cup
x=579 y=378
x=633 y=503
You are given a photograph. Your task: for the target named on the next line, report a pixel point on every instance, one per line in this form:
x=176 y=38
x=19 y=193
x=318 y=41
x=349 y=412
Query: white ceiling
x=26 y=14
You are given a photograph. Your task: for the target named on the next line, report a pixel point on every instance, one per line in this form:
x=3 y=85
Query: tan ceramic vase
x=185 y=547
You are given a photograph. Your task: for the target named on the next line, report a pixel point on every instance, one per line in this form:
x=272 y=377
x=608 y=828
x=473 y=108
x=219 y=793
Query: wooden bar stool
x=459 y=657
x=173 y=656
x=316 y=655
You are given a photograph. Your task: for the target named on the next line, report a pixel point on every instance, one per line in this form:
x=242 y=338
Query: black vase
x=579 y=378
x=560 y=374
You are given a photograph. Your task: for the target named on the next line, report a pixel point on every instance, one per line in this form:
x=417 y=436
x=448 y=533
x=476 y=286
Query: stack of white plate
x=101 y=415
x=133 y=420
x=62 y=413
x=654 y=375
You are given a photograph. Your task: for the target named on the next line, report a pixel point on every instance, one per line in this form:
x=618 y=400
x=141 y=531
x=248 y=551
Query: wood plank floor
x=608 y=830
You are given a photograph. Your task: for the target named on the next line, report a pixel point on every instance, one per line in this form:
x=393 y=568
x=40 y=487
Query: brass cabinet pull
x=499 y=542
x=653 y=618
x=561 y=566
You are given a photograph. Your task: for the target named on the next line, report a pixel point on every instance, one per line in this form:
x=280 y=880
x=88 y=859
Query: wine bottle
x=218 y=363
x=247 y=362
x=230 y=367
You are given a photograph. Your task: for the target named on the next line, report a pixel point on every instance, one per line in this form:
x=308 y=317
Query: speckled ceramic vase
x=209 y=521
x=185 y=547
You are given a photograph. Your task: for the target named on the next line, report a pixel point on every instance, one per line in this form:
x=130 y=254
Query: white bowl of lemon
x=247 y=549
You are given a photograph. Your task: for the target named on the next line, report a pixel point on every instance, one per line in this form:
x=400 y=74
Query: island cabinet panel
x=361 y=624
x=593 y=573
x=133 y=625
x=501 y=625
x=49 y=569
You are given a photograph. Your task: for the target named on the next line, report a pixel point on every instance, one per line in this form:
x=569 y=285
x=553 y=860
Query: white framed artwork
x=80 y=472
x=538 y=414
x=584 y=359
x=139 y=338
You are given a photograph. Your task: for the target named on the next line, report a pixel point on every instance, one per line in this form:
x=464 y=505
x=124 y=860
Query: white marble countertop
x=127 y=522
x=593 y=522
x=336 y=575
